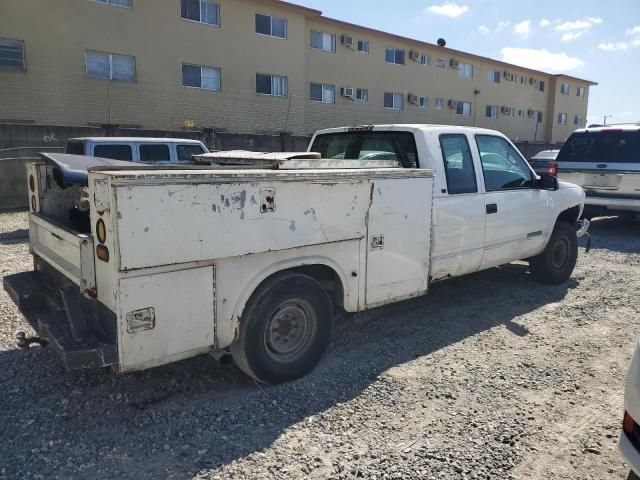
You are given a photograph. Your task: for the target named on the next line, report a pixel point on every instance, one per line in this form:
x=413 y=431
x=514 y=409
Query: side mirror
x=547 y=182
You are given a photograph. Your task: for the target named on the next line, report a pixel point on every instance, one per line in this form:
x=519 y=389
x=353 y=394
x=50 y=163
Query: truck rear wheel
x=285 y=329
x=556 y=263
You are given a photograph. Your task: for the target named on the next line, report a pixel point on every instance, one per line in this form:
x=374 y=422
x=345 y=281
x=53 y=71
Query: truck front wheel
x=285 y=329
x=556 y=263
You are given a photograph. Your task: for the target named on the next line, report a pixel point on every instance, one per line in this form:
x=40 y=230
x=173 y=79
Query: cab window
x=502 y=166
x=154 y=153
x=458 y=164
x=113 y=151
x=186 y=152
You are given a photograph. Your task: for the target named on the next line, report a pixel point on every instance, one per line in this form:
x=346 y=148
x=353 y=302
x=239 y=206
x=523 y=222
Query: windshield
x=611 y=146
x=368 y=145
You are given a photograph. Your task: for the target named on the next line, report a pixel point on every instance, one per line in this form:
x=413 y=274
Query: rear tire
x=285 y=329
x=556 y=263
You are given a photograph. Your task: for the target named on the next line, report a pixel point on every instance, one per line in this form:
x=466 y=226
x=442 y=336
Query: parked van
x=142 y=150
x=605 y=161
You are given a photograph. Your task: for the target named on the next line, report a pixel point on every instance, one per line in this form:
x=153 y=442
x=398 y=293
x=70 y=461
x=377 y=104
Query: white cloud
x=613 y=47
x=540 y=59
x=634 y=30
x=502 y=25
x=578 y=24
x=544 y=22
x=448 y=9
x=483 y=29
x=567 y=37
x=523 y=28
x=636 y=42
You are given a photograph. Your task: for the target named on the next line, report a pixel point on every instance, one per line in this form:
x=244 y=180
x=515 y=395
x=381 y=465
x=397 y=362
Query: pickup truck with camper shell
x=250 y=256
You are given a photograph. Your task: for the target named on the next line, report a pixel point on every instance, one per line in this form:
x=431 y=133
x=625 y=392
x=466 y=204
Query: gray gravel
x=490 y=376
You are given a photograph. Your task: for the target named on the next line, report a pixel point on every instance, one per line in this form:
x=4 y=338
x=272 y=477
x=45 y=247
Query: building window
x=363 y=46
x=425 y=59
x=519 y=112
x=12 y=54
x=494 y=76
x=274 y=85
x=580 y=92
x=393 y=100
x=440 y=63
x=200 y=11
x=541 y=86
x=465 y=70
x=110 y=67
x=523 y=80
x=323 y=41
x=423 y=102
x=199 y=76
x=439 y=103
x=116 y=3
x=272 y=26
x=323 y=93
x=564 y=88
x=463 y=108
x=492 y=111
x=562 y=118
x=362 y=95
x=394 y=56
x=578 y=120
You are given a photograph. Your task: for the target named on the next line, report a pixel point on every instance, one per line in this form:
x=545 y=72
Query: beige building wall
x=55 y=88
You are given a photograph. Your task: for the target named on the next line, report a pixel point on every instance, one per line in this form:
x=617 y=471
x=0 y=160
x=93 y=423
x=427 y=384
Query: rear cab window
x=114 y=151
x=154 y=152
x=458 y=164
x=368 y=145
x=186 y=152
x=605 y=146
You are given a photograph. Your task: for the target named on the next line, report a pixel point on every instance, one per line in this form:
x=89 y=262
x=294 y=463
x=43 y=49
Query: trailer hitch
x=26 y=342
x=582 y=230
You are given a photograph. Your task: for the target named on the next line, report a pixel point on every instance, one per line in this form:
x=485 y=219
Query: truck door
x=517 y=214
x=458 y=213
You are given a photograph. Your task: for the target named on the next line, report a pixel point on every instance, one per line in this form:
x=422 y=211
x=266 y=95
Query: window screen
x=11 y=54
x=458 y=164
x=116 y=152
x=154 y=153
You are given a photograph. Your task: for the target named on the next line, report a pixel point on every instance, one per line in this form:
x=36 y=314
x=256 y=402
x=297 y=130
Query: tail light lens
x=552 y=169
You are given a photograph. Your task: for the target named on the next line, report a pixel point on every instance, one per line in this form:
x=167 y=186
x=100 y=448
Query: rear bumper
x=44 y=308
x=614 y=204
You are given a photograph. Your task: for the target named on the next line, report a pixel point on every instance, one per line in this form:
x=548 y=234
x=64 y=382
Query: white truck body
x=176 y=261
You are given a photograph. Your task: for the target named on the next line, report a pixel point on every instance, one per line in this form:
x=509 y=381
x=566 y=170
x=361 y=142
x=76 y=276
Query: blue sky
x=592 y=39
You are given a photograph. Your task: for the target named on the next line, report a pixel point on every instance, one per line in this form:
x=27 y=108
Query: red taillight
x=628 y=423
x=553 y=169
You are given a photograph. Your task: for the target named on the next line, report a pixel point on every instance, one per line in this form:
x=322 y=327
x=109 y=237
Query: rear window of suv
x=608 y=146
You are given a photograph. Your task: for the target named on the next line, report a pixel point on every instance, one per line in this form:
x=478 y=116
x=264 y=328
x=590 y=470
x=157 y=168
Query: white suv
x=605 y=161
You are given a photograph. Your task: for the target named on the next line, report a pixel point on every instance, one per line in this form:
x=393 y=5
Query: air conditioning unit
x=531 y=113
x=532 y=81
x=452 y=104
x=346 y=92
x=454 y=63
x=504 y=110
x=412 y=98
x=413 y=55
x=347 y=41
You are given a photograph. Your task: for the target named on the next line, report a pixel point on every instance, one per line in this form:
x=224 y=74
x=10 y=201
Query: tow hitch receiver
x=582 y=227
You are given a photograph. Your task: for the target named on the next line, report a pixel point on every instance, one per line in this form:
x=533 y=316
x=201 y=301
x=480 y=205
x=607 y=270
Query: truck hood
x=73 y=169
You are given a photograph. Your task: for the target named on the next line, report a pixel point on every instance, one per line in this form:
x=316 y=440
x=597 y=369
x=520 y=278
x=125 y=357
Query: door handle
x=492 y=208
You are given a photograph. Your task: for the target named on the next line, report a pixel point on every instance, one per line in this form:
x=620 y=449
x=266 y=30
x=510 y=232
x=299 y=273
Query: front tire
x=285 y=329
x=556 y=263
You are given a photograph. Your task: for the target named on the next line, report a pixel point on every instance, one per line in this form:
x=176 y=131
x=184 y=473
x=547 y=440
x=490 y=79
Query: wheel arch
x=322 y=269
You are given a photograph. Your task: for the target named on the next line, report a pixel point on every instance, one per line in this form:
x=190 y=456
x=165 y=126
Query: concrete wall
x=13 y=183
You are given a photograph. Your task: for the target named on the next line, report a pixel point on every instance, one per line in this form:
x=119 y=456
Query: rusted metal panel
x=183 y=317
x=172 y=224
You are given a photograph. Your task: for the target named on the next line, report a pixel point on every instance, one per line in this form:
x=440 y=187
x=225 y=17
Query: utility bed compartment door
x=165 y=317
x=68 y=252
x=399 y=239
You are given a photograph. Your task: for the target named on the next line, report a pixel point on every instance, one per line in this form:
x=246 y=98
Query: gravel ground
x=488 y=376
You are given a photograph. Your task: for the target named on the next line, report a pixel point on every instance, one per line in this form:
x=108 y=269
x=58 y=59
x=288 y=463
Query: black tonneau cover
x=72 y=169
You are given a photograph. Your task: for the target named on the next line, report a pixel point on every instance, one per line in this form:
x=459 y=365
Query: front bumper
x=80 y=330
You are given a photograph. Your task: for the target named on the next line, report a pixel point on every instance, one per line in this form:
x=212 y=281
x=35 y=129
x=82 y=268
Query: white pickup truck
x=251 y=259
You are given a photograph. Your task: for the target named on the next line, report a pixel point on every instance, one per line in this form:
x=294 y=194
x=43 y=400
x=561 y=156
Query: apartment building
x=257 y=66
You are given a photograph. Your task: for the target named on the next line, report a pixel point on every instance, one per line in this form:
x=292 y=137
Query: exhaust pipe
x=223 y=357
